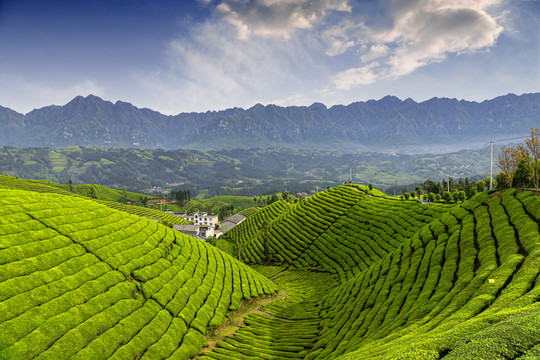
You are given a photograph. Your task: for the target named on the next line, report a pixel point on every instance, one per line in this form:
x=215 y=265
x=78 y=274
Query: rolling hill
x=105 y=196
x=411 y=281
x=362 y=275
x=80 y=280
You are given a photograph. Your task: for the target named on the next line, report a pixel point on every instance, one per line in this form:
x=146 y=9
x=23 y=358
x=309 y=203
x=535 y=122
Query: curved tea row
x=80 y=280
x=37 y=186
x=448 y=291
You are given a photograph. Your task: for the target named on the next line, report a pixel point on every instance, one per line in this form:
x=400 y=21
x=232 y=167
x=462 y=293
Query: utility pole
x=350 y=174
x=491 y=165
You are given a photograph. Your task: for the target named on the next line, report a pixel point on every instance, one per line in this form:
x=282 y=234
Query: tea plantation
x=104 y=194
x=80 y=280
x=365 y=276
x=411 y=281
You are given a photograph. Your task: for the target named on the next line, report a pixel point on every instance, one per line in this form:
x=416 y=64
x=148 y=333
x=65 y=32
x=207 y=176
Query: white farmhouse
x=201 y=218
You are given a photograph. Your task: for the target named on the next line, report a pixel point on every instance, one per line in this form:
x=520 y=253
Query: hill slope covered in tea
x=80 y=280
x=464 y=286
x=365 y=276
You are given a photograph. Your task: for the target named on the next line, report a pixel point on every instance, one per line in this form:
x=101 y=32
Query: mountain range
x=387 y=125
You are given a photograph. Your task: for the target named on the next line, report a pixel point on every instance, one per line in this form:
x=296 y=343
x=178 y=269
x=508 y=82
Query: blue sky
x=198 y=55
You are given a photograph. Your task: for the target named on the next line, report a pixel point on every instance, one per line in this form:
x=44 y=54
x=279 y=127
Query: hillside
x=235 y=172
x=105 y=196
x=360 y=276
x=463 y=285
x=80 y=280
x=388 y=124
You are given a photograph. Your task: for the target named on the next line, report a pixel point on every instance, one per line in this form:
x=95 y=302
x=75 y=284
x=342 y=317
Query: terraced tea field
x=365 y=276
x=103 y=192
x=80 y=280
x=413 y=281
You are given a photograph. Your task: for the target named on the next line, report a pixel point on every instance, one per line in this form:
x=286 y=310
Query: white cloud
x=364 y=75
x=252 y=51
x=277 y=18
x=210 y=68
x=376 y=51
x=423 y=32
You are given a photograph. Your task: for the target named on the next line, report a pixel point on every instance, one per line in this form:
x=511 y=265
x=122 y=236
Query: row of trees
x=520 y=165
x=447 y=196
x=450 y=185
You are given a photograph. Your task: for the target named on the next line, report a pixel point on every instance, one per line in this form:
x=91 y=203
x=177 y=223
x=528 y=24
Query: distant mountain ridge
x=388 y=124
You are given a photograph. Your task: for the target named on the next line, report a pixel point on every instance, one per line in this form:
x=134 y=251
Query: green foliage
x=522 y=175
x=480 y=186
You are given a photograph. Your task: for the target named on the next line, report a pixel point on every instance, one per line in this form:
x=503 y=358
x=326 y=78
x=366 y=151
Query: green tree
x=413 y=195
x=438 y=197
x=447 y=196
x=502 y=181
x=533 y=146
x=480 y=185
x=461 y=196
x=522 y=176
x=406 y=195
x=468 y=187
x=92 y=192
x=419 y=190
x=370 y=186
x=70 y=184
x=431 y=197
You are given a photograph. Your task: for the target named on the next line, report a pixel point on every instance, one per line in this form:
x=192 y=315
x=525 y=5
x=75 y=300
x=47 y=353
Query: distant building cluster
x=205 y=225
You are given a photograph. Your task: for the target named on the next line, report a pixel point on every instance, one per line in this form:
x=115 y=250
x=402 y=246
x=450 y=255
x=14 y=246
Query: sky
x=199 y=55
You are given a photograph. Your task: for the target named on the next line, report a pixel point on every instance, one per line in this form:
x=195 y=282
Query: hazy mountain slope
x=385 y=124
x=235 y=172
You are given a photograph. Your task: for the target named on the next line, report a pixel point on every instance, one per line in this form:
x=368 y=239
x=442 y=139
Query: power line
x=477 y=156
x=487 y=146
x=516 y=138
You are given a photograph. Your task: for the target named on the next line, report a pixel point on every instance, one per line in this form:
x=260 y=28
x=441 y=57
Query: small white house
x=201 y=218
x=191 y=230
